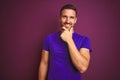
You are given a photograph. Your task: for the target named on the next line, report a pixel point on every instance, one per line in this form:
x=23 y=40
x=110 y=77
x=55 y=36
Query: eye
x=72 y=17
x=64 y=16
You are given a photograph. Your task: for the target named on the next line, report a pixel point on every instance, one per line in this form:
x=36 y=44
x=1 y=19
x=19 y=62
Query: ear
x=75 y=19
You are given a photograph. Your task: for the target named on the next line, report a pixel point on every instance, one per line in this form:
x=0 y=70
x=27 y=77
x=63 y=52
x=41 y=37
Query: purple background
x=24 y=25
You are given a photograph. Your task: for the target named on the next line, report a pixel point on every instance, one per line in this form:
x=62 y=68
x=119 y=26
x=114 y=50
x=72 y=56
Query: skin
x=80 y=58
x=68 y=18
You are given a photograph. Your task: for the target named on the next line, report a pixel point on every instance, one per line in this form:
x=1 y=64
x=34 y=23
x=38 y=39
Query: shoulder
x=53 y=35
x=76 y=35
x=81 y=38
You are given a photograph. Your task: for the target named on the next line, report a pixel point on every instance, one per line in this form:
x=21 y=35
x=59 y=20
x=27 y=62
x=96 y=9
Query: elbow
x=83 y=69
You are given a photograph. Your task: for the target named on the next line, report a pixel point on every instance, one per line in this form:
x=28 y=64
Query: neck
x=69 y=30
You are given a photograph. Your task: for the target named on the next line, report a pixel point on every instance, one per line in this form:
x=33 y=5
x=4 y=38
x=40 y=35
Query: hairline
x=68 y=9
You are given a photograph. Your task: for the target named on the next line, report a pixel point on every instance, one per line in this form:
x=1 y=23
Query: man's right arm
x=43 y=67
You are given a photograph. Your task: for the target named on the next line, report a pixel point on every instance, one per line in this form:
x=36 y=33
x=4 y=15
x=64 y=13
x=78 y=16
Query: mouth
x=67 y=25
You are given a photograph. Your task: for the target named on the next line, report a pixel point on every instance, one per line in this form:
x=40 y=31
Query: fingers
x=64 y=28
x=71 y=29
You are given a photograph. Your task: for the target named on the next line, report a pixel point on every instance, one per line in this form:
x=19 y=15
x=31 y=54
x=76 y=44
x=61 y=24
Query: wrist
x=70 y=41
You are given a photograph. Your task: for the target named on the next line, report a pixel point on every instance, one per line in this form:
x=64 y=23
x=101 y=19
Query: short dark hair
x=68 y=6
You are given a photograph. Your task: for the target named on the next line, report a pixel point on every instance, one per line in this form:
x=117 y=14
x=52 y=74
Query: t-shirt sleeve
x=86 y=44
x=46 y=43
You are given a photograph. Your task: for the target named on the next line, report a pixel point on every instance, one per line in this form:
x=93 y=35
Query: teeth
x=67 y=24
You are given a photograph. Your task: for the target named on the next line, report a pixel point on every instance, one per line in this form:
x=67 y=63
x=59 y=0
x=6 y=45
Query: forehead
x=68 y=12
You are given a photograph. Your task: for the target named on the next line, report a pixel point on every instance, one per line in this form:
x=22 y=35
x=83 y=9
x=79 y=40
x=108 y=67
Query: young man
x=65 y=54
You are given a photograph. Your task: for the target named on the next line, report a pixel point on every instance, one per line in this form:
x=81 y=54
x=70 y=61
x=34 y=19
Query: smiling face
x=68 y=18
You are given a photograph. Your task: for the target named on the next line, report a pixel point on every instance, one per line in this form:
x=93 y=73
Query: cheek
x=62 y=20
x=73 y=22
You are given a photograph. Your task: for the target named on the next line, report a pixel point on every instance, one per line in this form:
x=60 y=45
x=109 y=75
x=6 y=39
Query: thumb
x=71 y=29
x=64 y=28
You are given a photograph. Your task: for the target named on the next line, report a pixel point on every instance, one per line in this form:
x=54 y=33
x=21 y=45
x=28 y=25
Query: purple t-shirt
x=60 y=64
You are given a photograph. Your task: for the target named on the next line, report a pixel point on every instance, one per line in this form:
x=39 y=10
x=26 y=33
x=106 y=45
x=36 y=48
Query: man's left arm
x=80 y=58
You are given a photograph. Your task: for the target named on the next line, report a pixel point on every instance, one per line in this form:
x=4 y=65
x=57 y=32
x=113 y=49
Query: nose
x=67 y=20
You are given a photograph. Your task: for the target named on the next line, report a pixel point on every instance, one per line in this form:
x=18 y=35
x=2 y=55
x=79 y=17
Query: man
x=65 y=54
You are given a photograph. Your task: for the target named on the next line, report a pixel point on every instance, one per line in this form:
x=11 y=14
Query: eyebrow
x=70 y=16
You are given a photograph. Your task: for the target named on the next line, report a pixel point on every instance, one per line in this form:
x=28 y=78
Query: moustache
x=67 y=23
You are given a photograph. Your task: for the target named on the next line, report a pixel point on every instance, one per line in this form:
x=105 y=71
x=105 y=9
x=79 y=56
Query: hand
x=66 y=34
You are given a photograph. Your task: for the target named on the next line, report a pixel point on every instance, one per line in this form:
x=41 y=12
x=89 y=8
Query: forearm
x=79 y=60
x=42 y=71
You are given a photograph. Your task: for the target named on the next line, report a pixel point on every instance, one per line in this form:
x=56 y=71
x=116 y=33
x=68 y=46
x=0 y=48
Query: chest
x=58 y=48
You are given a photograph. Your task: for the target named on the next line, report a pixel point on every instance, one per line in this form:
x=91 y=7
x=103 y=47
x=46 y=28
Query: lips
x=67 y=25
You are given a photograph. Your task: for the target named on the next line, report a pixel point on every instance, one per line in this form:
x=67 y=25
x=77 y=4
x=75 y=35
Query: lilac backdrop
x=24 y=24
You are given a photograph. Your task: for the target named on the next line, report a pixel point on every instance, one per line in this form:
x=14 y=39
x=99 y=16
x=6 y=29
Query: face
x=68 y=18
